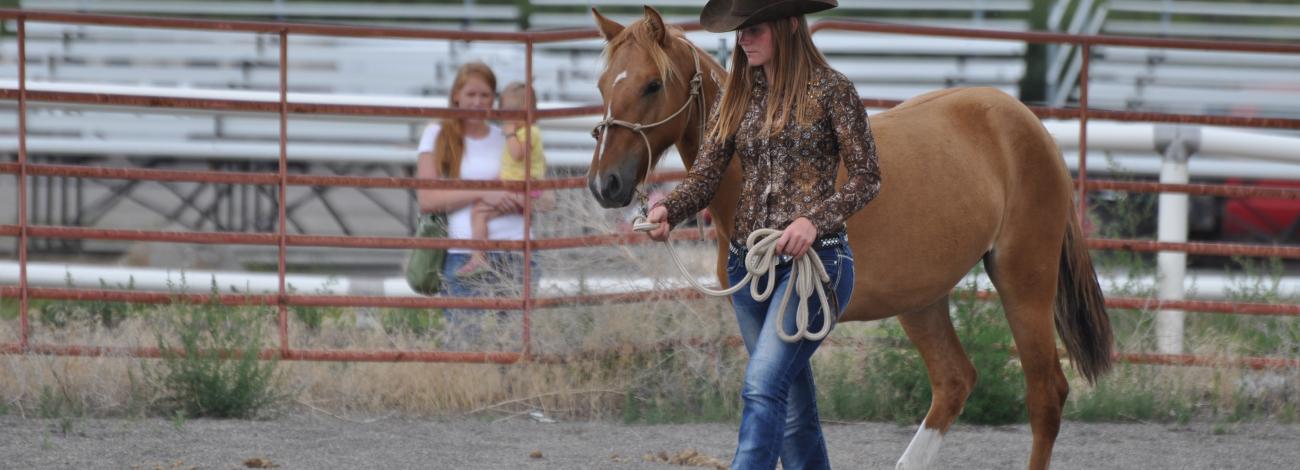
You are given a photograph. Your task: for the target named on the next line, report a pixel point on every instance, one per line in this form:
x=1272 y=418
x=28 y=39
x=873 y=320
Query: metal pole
x=528 y=199
x=1083 y=135
x=1176 y=144
x=23 y=294
x=284 y=166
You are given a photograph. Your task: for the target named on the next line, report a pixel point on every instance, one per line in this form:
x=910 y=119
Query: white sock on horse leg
x=921 y=452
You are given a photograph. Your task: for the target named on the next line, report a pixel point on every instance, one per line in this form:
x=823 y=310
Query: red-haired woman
x=471 y=149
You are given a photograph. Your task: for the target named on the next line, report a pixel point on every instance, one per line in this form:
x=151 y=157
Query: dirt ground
x=311 y=441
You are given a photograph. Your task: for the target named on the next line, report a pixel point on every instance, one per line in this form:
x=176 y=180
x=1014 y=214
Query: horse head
x=651 y=88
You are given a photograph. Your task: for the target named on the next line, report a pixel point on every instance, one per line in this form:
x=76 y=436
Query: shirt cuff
x=675 y=215
x=823 y=220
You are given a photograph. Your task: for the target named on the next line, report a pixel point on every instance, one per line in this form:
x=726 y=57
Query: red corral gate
x=281 y=179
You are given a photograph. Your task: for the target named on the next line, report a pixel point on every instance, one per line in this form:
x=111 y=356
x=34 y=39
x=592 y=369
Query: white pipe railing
x=1141 y=137
x=1202 y=285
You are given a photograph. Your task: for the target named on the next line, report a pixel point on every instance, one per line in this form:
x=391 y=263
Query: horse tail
x=1081 y=318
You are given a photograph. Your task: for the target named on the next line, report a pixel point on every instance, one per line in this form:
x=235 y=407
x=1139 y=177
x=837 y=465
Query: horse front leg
x=952 y=377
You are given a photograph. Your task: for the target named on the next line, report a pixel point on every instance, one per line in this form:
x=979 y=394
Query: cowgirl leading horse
x=927 y=190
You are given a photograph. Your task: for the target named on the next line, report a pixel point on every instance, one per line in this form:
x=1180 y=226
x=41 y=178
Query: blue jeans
x=780 y=400
x=504 y=279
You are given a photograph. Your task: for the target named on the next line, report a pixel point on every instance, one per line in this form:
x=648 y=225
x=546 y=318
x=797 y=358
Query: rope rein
x=808 y=275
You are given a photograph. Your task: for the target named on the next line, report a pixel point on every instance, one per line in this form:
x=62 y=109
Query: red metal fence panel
x=281 y=179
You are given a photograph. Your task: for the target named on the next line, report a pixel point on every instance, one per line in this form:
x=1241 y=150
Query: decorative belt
x=824 y=241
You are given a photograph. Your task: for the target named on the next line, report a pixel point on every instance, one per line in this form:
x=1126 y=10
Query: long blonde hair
x=793 y=62
x=449 y=147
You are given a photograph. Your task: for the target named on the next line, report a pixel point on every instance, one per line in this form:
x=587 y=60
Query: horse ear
x=657 y=28
x=608 y=28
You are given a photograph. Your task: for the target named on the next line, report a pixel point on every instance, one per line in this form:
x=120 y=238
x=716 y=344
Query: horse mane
x=642 y=32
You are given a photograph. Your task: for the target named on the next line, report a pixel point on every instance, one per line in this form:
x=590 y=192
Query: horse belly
x=941 y=204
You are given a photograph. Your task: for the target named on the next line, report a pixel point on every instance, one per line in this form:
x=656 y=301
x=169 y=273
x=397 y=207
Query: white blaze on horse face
x=600 y=154
x=921 y=452
x=609 y=111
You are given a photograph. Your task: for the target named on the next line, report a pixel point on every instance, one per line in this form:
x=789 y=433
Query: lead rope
x=808 y=275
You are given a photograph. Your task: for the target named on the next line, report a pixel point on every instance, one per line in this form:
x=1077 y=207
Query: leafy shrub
x=212 y=368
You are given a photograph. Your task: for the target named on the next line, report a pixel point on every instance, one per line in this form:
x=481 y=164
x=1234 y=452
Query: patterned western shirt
x=790 y=174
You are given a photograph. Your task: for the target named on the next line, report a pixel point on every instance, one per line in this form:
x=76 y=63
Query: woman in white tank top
x=471 y=149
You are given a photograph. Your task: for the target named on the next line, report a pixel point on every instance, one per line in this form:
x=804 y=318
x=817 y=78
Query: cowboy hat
x=720 y=16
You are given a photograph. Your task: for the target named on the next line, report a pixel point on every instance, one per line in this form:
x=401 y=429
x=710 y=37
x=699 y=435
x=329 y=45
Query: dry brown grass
x=590 y=388
x=597 y=386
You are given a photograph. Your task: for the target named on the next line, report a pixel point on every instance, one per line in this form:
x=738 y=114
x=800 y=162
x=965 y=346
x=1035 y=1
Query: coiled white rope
x=808 y=276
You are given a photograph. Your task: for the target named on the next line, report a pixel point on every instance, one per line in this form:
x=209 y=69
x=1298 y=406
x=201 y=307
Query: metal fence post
x=23 y=292
x=1176 y=143
x=283 y=318
x=529 y=119
x=1086 y=49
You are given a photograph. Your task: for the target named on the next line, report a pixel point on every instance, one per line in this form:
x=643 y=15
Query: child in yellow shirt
x=512 y=169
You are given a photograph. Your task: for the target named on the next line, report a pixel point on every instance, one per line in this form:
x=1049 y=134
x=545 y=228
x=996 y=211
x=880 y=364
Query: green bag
x=424 y=267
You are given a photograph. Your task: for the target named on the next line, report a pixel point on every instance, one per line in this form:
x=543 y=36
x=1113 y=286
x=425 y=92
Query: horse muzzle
x=611 y=189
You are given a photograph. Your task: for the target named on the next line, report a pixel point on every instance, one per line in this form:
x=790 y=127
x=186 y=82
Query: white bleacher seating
x=974 y=11
x=1197 y=81
x=378 y=70
x=1202 y=30
x=882 y=65
x=1188 y=75
x=492 y=16
x=91 y=130
x=1205 y=19
x=247 y=61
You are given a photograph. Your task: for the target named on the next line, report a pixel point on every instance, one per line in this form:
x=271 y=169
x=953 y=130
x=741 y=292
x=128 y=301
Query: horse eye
x=653 y=87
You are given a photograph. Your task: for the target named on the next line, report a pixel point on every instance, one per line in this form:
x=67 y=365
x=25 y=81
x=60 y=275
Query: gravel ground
x=318 y=441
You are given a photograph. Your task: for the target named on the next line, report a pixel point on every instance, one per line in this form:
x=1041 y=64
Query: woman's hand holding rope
x=809 y=276
x=659 y=217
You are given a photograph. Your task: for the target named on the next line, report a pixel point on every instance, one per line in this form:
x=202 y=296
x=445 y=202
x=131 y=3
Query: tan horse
x=968 y=175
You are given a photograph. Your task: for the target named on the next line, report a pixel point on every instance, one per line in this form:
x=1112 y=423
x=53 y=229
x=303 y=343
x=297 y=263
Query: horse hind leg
x=1027 y=287
x=952 y=377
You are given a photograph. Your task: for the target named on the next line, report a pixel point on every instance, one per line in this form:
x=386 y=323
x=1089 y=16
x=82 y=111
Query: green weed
x=211 y=368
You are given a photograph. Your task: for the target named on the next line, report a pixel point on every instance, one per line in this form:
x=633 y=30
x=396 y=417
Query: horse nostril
x=612 y=186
